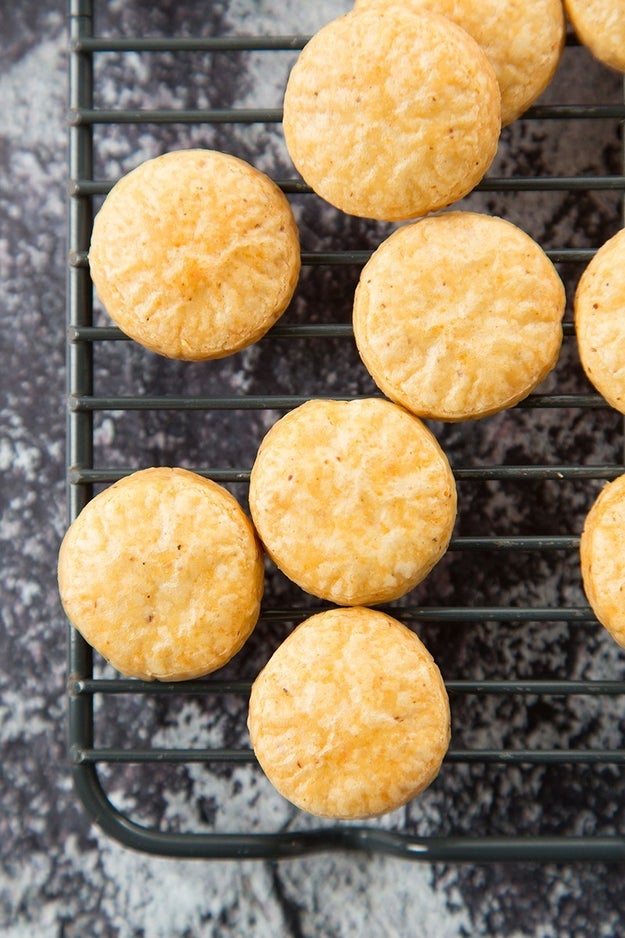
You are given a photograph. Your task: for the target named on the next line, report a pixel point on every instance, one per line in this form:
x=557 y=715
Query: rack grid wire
x=83 y=340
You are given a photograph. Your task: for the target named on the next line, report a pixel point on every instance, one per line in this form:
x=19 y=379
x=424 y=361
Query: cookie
x=458 y=316
x=599 y=320
x=354 y=500
x=350 y=717
x=389 y=115
x=600 y=26
x=602 y=555
x=523 y=40
x=195 y=254
x=162 y=574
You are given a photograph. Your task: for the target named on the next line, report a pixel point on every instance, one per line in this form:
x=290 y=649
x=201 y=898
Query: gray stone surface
x=59 y=874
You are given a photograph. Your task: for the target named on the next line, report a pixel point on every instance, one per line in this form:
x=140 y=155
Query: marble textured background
x=59 y=875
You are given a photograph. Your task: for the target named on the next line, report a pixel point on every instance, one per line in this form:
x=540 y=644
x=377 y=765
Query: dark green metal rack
x=83 y=336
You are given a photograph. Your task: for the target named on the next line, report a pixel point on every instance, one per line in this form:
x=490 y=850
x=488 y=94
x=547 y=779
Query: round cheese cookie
x=389 y=115
x=600 y=320
x=600 y=25
x=350 y=717
x=458 y=316
x=523 y=40
x=354 y=500
x=602 y=554
x=162 y=573
x=195 y=254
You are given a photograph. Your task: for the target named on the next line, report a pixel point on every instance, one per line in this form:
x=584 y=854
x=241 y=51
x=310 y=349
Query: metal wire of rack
x=84 y=339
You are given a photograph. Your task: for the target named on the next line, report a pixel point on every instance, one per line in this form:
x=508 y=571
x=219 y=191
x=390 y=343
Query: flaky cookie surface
x=195 y=254
x=600 y=320
x=162 y=574
x=354 y=501
x=390 y=115
x=600 y=25
x=523 y=40
x=458 y=316
x=350 y=717
x=602 y=554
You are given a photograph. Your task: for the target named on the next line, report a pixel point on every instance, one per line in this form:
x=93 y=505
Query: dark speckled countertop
x=60 y=876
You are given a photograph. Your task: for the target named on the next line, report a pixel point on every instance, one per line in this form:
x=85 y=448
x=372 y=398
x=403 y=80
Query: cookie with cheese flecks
x=162 y=574
x=600 y=25
x=600 y=320
x=195 y=254
x=459 y=315
x=350 y=717
x=602 y=554
x=354 y=501
x=390 y=115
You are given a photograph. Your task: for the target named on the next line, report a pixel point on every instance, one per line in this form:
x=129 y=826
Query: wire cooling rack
x=89 y=690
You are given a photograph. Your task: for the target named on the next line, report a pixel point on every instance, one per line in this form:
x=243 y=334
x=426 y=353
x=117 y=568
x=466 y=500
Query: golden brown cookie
x=195 y=254
x=354 y=500
x=523 y=40
x=458 y=316
x=390 y=115
x=162 y=574
x=600 y=25
x=350 y=717
x=602 y=553
x=600 y=320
